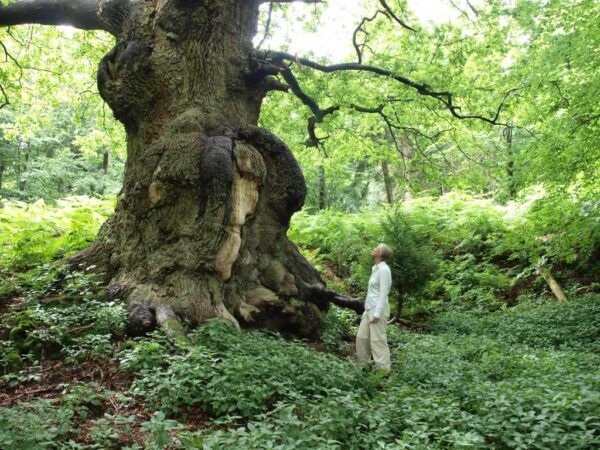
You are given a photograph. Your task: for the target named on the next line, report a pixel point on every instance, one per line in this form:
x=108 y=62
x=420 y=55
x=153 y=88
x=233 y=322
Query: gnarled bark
x=199 y=230
x=200 y=225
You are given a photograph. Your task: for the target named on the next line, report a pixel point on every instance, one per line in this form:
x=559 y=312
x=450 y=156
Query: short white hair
x=385 y=252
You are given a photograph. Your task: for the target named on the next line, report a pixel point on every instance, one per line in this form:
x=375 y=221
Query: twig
x=394 y=16
x=267 y=26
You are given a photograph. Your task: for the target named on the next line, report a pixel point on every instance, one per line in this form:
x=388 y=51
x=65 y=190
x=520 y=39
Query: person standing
x=371 y=340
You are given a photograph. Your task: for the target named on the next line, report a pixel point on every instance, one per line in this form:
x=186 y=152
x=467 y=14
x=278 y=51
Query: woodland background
x=485 y=220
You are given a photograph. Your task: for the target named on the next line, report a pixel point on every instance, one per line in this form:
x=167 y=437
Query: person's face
x=375 y=252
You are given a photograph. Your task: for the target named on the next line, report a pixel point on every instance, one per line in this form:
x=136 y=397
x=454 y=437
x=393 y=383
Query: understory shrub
x=337 y=323
x=48 y=423
x=413 y=262
x=342 y=240
x=447 y=391
x=227 y=372
x=36 y=233
x=571 y=325
x=63 y=314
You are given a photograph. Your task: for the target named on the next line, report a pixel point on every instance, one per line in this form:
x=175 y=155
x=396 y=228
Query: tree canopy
x=541 y=54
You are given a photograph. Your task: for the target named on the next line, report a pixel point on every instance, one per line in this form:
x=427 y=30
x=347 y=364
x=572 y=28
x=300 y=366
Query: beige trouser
x=372 y=339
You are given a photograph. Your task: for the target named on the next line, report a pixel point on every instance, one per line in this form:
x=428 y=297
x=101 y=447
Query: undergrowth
x=574 y=325
x=36 y=233
x=486 y=374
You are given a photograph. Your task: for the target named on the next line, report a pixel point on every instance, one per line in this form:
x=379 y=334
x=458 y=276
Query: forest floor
x=524 y=378
x=485 y=357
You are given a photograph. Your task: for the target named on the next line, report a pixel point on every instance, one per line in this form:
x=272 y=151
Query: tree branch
x=358 y=47
x=267 y=25
x=387 y=11
x=83 y=14
x=6 y=101
x=465 y=13
x=319 y=114
x=390 y=12
x=318 y=294
x=445 y=97
x=472 y=8
x=8 y=56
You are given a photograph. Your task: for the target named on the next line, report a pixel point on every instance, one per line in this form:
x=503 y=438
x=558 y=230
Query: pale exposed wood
x=553 y=284
x=169 y=322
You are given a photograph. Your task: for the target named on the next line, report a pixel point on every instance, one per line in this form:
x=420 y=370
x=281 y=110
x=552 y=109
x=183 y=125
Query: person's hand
x=375 y=320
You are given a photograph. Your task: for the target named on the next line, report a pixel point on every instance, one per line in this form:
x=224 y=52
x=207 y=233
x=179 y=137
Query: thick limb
x=107 y=15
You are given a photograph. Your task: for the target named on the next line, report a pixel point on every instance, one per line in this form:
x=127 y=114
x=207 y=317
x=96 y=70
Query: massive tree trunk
x=200 y=225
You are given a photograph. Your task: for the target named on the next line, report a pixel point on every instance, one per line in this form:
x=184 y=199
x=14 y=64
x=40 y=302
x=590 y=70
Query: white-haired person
x=371 y=340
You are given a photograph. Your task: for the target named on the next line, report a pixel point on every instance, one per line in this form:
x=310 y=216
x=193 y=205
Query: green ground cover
x=471 y=374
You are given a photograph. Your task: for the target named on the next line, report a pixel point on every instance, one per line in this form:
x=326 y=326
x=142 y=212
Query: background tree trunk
x=22 y=169
x=388 y=182
x=105 y=162
x=399 y=308
x=200 y=225
x=510 y=164
x=406 y=156
x=322 y=189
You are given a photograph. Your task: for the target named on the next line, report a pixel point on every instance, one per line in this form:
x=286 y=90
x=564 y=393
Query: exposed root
x=142 y=320
x=320 y=296
x=169 y=322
